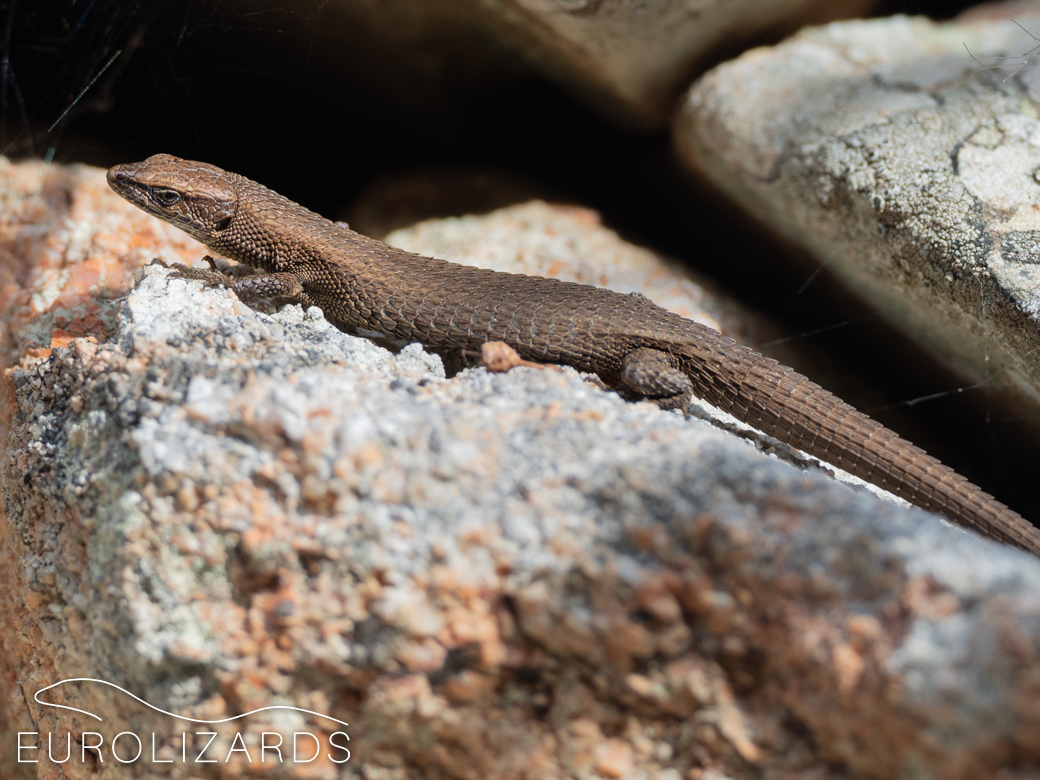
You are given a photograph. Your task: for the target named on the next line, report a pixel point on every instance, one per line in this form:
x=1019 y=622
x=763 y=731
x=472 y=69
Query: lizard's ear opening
x=220 y=214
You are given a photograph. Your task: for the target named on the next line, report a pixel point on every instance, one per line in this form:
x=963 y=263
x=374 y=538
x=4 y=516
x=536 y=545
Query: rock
x=633 y=58
x=884 y=150
x=219 y=510
x=400 y=200
x=68 y=251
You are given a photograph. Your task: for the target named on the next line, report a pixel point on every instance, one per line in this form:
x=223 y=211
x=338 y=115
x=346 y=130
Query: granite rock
x=633 y=58
x=894 y=158
x=221 y=509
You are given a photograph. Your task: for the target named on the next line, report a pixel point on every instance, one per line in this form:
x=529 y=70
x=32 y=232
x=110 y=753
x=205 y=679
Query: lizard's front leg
x=247 y=288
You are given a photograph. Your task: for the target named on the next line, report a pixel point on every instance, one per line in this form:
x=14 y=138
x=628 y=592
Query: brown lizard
x=633 y=345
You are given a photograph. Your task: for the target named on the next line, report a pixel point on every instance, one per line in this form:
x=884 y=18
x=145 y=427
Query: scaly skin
x=632 y=344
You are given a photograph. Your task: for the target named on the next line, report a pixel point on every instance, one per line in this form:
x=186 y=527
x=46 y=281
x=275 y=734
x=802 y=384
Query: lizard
x=634 y=346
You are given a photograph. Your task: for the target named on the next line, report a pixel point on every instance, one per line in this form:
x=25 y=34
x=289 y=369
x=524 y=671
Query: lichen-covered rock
x=222 y=511
x=910 y=171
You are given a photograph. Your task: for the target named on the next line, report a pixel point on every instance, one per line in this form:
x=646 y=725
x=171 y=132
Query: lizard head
x=197 y=197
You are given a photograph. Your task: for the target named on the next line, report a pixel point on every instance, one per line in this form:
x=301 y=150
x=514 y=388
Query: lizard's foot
x=650 y=375
x=211 y=278
x=251 y=288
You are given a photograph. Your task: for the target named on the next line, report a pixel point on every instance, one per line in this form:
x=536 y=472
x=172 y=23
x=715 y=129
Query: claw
x=211 y=278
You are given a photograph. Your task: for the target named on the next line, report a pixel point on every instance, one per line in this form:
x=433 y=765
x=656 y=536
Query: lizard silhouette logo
x=252 y=748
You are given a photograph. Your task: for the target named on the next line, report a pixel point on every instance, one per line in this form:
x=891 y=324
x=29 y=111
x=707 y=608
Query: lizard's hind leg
x=648 y=373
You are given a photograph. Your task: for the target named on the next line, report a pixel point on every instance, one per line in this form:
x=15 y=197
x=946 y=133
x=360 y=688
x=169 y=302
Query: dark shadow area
x=265 y=89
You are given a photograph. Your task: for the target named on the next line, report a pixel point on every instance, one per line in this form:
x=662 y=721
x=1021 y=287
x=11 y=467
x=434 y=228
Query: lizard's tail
x=782 y=403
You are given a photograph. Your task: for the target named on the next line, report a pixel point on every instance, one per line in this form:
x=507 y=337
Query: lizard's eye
x=166 y=198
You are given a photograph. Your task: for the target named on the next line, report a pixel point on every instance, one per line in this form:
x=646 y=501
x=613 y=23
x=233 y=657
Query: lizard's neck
x=270 y=232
